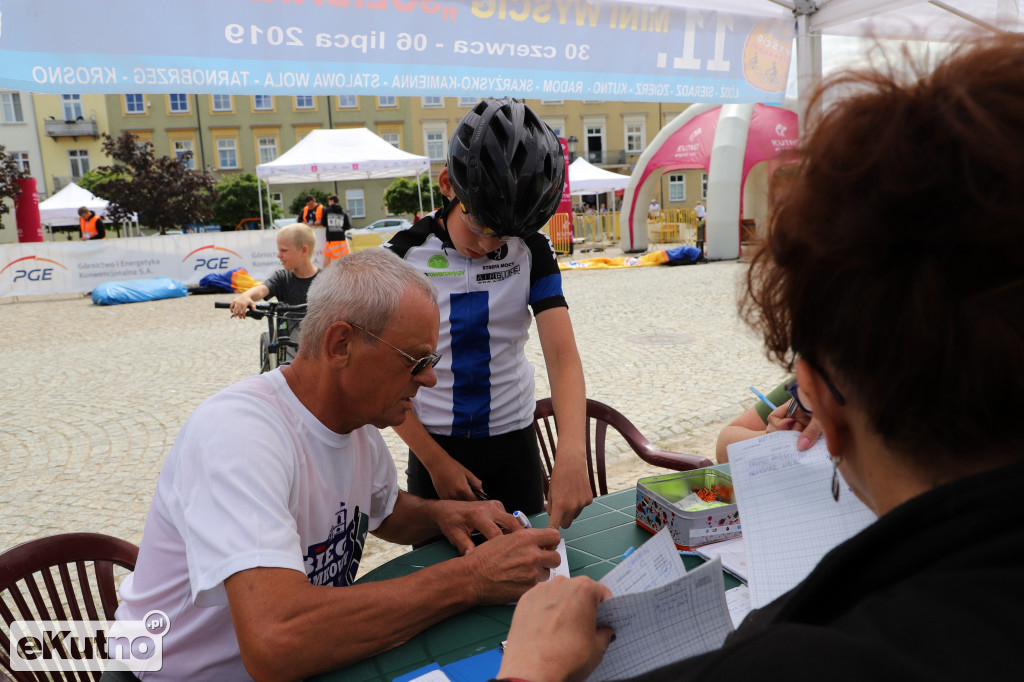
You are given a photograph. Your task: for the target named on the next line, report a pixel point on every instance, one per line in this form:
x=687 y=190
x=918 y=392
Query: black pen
x=479 y=493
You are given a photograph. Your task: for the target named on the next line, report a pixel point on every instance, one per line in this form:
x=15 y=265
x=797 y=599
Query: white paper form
x=738 y=600
x=654 y=564
x=732 y=552
x=682 y=618
x=790 y=520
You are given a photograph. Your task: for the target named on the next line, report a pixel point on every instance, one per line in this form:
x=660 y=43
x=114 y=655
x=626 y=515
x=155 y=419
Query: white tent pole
x=259 y=199
x=430 y=184
x=808 y=70
x=270 y=202
x=419 y=188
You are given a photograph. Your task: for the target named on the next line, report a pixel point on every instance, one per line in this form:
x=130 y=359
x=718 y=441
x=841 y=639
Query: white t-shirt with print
x=253 y=480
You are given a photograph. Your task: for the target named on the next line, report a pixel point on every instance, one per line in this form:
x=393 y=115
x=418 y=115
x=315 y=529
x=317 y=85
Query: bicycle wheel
x=266 y=358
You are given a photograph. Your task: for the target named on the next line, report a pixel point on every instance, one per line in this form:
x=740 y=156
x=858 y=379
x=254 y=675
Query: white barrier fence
x=35 y=269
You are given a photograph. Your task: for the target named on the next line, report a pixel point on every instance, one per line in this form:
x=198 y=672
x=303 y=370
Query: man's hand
x=505 y=567
x=554 y=635
x=457 y=520
x=452 y=481
x=569 y=490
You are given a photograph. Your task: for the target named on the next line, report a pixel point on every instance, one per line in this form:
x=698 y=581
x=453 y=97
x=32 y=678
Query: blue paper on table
x=112 y=293
x=477 y=668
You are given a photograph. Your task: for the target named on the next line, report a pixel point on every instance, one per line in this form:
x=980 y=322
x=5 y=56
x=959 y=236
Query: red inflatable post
x=26 y=212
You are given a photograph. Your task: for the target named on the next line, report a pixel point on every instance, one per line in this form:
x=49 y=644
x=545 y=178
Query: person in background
x=892 y=280
x=90 y=226
x=761 y=419
x=257 y=525
x=312 y=213
x=337 y=222
x=472 y=435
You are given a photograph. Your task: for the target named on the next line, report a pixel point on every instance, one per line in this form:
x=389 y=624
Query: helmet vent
x=518 y=160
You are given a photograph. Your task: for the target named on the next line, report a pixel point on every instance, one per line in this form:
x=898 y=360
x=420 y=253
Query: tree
x=93 y=181
x=10 y=173
x=299 y=202
x=161 y=191
x=401 y=195
x=239 y=198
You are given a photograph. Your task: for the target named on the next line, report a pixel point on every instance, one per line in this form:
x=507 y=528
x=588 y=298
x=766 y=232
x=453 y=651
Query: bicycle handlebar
x=269 y=308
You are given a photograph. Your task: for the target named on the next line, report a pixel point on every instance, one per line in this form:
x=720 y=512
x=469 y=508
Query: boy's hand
x=452 y=481
x=240 y=305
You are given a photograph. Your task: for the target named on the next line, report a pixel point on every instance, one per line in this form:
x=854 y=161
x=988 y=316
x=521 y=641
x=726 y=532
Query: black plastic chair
x=599 y=418
x=50 y=579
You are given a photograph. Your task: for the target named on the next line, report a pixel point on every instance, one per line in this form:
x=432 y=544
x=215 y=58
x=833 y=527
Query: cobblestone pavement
x=94 y=396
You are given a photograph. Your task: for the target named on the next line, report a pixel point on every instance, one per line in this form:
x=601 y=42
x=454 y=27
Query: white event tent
x=62 y=207
x=341 y=155
x=586 y=178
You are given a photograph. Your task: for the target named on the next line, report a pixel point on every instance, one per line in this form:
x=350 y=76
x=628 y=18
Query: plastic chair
x=599 y=418
x=50 y=579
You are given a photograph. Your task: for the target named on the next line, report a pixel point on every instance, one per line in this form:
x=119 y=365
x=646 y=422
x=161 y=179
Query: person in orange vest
x=337 y=225
x=313 y=213
x=89 y=225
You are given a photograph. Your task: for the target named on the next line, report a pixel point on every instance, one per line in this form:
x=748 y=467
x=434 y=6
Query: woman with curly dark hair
x=892 y=282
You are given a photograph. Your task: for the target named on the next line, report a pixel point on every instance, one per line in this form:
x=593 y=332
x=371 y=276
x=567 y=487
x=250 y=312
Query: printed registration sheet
x=665 y=614
x=790 y=520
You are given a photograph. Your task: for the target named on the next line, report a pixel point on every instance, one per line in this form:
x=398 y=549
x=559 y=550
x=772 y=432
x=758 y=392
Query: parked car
x=388 y=225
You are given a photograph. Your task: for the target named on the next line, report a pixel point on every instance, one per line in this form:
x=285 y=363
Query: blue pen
x=521 y=518
x=628 y=552
x=762 y=397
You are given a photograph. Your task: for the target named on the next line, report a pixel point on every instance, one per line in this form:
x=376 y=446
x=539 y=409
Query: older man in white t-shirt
x=257 y=526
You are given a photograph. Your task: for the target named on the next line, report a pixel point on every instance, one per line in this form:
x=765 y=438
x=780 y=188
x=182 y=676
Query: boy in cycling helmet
x=472 y=434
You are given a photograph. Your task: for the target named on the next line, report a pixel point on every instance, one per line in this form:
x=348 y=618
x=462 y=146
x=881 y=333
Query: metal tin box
x=658 y=497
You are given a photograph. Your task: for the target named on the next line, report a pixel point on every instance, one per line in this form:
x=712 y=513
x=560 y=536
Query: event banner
x=60 y=267
x=621 y=50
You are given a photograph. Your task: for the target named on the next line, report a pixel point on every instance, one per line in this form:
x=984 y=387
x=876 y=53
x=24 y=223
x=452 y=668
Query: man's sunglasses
x=417 y=365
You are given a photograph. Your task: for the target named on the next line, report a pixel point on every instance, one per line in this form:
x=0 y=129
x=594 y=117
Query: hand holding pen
x=789 y=417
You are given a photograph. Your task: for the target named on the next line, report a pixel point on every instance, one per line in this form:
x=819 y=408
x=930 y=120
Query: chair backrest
x=599 y=418
x=61 y=577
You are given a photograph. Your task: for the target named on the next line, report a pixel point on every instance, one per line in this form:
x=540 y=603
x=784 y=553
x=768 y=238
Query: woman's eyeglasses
x=417 y=365
x=792 y=388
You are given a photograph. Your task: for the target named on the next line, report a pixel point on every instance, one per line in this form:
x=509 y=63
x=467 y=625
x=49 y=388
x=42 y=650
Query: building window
x=394 y=139
x=227 y=153
x=348 y=102
x=556 y=125
x=552 y=102
x=267 y=147
x=635 y=135
x=704 y=186
x=304 y=102
x=468 y=101
x=10 y=105
x=134 y=104
x=72 y=107
x=433 y=102
x=677 y=187
x=178 y=103
x=262 y=103
x=595 y=143
x=182 y=146
x=278 y=199
x=354 y=203
x=434 y=140
x=21 y=159
x=78 y=163
x=222 y=103
x=387 y=102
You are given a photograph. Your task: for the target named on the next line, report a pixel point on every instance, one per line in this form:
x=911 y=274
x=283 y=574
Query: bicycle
x=276 y=347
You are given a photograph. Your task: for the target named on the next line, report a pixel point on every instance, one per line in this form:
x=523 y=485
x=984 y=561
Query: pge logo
x=32 y=269
x=211 y=261
x=89 y=645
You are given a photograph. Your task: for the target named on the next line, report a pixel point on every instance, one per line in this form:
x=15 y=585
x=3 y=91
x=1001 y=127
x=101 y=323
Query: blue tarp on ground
x=113 y=293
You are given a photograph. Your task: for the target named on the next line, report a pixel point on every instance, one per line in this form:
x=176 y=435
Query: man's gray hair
x=363 y=288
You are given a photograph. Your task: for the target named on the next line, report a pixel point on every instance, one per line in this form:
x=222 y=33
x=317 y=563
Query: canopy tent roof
x=586 y=178
x=62 y=207
x=339 y=155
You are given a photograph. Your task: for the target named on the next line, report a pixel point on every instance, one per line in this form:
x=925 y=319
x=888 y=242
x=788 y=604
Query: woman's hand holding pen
x=785 y=418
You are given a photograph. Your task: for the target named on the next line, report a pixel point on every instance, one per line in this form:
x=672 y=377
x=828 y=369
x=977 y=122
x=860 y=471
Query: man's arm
x=288 y=628
x=452 y=481
x=569 y=491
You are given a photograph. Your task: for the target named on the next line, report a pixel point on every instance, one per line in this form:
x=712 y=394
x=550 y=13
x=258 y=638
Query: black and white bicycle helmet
x=506 y=167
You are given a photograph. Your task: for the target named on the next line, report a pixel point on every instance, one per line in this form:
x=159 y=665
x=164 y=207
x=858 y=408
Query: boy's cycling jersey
x=485 y=384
